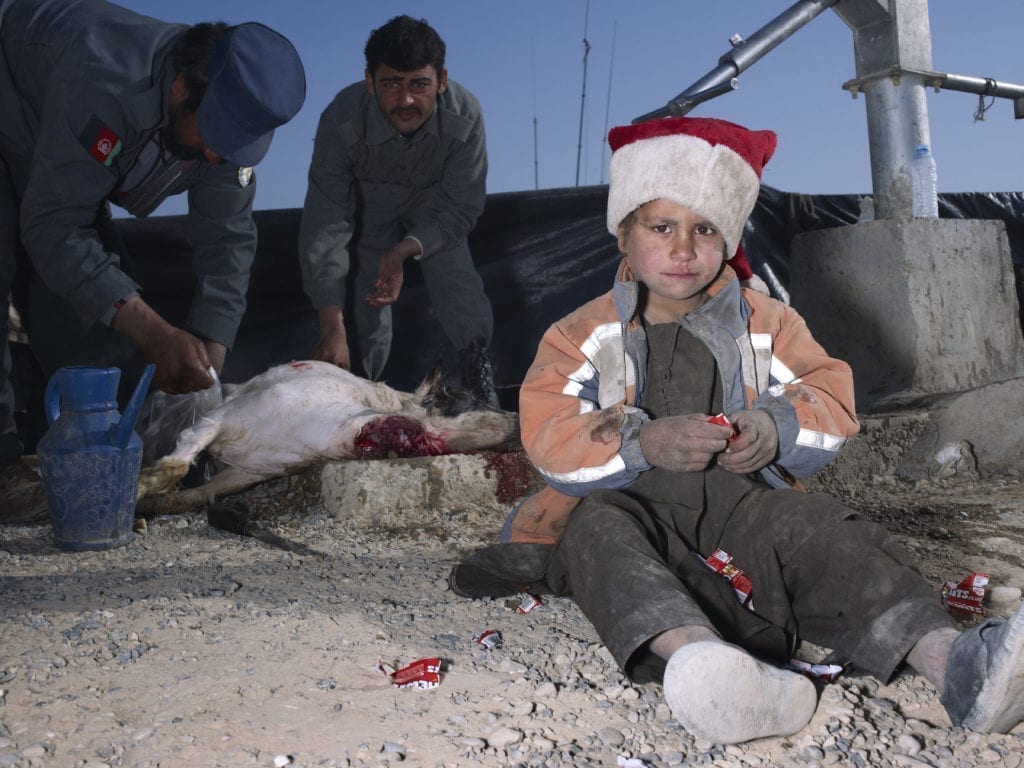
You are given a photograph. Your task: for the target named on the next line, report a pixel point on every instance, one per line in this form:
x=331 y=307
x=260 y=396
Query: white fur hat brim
x=712 y=180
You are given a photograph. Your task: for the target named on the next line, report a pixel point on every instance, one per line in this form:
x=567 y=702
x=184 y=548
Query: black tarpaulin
x=541 y=254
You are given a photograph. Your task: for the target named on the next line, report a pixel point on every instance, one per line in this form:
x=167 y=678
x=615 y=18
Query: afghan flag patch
x=100 y=141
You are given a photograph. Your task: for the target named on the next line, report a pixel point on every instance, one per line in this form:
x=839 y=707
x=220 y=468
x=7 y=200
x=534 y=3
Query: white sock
x=721 y=693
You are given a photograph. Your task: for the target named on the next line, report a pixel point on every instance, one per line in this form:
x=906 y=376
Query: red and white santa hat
x=712 y=167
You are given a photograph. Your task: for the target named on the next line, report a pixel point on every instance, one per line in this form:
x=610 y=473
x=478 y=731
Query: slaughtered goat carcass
x=295 y=415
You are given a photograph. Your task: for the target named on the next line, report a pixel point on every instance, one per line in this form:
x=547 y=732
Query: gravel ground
x=195 y=647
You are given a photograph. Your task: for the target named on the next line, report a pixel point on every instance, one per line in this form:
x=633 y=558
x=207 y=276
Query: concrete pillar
x=916 y=307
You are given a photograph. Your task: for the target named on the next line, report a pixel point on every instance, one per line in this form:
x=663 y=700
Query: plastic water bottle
x=924 y=180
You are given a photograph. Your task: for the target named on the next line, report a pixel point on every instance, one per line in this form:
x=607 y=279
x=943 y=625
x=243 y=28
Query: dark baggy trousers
x=632 y=558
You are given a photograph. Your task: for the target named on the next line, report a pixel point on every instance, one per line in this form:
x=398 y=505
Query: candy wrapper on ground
x=528 y=603
x=489 y=639
x=825 y=672
x=422 y=673
x=524 y=603
x=966 y=597
x=631 y=762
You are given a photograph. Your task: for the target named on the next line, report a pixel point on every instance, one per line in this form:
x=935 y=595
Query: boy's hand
x=683 y=443
x=756 y=443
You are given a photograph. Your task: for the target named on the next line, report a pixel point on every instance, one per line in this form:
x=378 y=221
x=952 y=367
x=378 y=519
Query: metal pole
x=892 y=49
x=744 y=54
x=536 y=161
x=583 y=94
x=897 y=122
x=608 y=102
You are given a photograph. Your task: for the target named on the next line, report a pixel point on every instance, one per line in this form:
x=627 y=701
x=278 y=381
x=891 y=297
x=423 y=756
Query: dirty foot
x=720 y=693
x=985 y=676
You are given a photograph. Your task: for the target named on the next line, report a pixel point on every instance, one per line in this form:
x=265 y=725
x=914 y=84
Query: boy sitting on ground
x=643 y=486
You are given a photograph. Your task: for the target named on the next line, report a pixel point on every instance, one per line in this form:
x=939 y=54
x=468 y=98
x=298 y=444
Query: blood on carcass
x=396 y=436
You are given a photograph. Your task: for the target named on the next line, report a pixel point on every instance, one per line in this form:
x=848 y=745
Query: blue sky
x=524 y=61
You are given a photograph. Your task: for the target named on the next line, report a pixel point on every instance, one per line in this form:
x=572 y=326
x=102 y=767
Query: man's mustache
x=406 y=111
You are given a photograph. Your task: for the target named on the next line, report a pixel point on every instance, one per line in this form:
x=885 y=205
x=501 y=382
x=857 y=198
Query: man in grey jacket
x=398 y=171
x=102 y=105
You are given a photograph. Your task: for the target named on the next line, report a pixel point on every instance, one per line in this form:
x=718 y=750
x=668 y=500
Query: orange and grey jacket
x=579 y=414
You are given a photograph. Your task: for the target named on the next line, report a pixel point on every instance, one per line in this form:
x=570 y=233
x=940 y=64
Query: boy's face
x=407 y=99
x=676 y=254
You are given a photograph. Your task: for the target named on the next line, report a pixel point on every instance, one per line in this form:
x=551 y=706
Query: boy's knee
x=601 y=517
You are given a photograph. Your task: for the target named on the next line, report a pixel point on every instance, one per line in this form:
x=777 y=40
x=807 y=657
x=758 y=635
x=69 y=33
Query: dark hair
x=190 y=57
x=405 y=44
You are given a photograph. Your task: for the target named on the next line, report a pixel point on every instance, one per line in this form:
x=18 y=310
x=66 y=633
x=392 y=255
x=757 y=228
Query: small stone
x=613 y=691
x=522 y=708
x=545 y=691
x=905 y=761
x=513 y=667
x=1002 y=595
x=611 y=737
x=280 y=761
x=812 y=753
x=503 y=737
x=909 y=744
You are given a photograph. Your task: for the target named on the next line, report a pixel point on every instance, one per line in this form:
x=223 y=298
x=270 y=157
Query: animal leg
x=168 y=471
x=224 y=483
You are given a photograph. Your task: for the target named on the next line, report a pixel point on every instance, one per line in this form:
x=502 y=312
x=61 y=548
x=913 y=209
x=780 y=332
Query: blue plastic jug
x=90 y=457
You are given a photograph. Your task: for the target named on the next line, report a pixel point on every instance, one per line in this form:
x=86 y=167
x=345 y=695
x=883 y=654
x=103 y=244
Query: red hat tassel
x=740 y=265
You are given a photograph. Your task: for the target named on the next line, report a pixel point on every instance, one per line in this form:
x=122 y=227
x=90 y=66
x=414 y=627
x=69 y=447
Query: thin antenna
x=536 y=160
x=608 y=102
x=583 y=94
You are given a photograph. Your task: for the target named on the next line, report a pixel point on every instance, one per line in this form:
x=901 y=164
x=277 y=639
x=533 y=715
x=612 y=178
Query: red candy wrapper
x=422 y=673
x=826 y=672
x=723 y=420
x=720 y=562
x=489 y=639
x=966 y=597
x=528 y=603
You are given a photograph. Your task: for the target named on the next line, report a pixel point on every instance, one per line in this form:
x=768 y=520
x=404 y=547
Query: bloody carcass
x=295 y=415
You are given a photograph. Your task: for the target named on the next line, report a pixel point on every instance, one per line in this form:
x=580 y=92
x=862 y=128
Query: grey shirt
x=430 y=186
x=84 y=88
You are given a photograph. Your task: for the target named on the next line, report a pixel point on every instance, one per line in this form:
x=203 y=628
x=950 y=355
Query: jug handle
x=51 y=400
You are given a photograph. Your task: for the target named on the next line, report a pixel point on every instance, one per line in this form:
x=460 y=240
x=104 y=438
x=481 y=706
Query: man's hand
x=333 y=345
x=756 y=443
x=182 y=361
x=683 y=443
x=391 y=273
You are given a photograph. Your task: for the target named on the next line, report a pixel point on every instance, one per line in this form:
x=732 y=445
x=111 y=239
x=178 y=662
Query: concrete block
x=393 y=493
x=915 y=307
